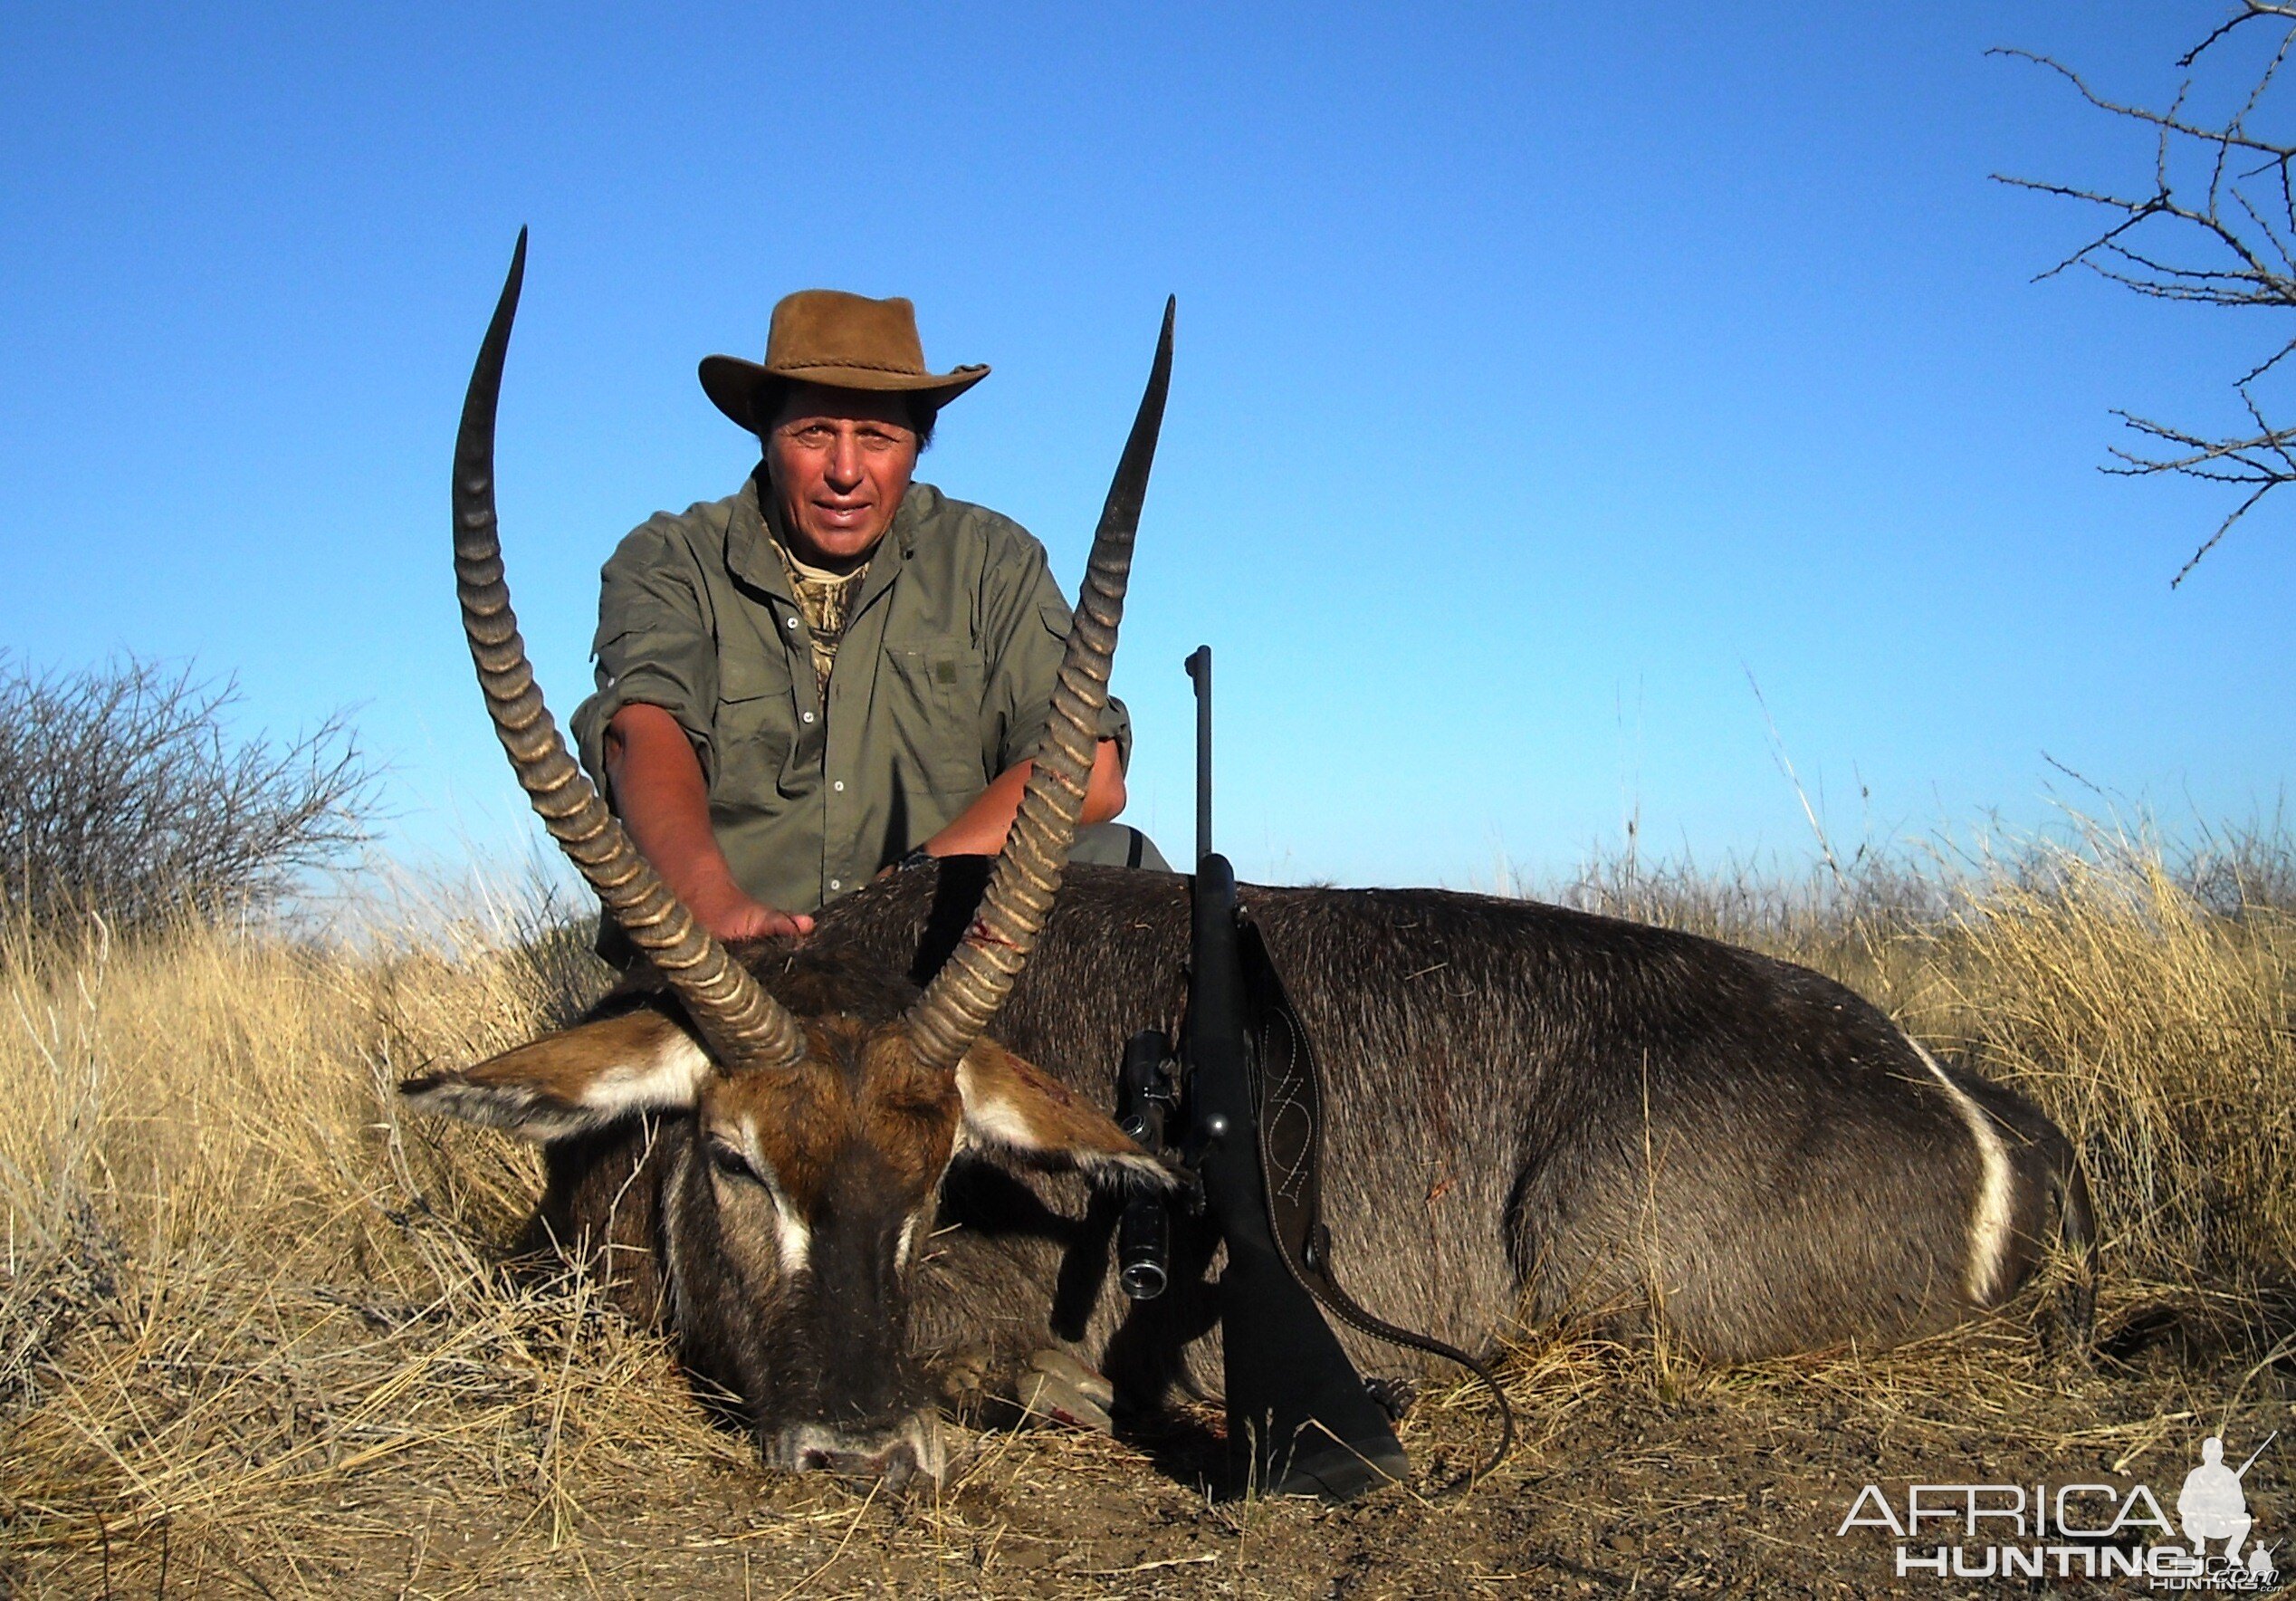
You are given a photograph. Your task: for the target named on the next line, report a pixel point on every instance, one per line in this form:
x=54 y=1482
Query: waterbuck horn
x=956 y=1007
x=744 y=1026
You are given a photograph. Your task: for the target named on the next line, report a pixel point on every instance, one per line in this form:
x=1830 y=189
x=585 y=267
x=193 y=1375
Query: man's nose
x=844 y=463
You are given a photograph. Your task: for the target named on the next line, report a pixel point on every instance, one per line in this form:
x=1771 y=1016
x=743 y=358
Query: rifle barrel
x=1198 y=665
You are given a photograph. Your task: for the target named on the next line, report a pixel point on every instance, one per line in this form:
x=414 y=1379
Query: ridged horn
x=964 y=995
x=744 y=1026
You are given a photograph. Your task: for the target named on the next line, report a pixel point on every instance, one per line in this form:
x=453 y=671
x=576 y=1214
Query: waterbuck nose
x=896 y=1465
x=910 y=1449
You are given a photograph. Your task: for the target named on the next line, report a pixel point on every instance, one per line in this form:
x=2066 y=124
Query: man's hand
x=665 y=803
x=731 y=914
x=734 y=915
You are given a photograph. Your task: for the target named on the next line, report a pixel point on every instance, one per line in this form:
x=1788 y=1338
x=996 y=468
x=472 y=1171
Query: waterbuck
x=813 y=1164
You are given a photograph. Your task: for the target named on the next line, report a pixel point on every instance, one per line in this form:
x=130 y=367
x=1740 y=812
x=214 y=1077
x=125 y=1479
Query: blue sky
x=1547 y=376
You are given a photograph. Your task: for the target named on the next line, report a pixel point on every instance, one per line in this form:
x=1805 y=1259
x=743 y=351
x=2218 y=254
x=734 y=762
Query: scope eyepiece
x=1143 y=1280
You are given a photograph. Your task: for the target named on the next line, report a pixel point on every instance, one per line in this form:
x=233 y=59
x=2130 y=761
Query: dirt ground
x=1634 y=1475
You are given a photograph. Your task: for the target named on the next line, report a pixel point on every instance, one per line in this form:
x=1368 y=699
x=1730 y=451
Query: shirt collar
x=748 y=553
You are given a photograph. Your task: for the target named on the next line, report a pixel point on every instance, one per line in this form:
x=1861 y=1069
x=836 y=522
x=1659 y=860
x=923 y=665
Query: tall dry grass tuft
x=2157 y=1027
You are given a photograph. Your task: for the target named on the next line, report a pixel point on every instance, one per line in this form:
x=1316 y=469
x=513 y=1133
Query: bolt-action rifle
x=1242 y=1110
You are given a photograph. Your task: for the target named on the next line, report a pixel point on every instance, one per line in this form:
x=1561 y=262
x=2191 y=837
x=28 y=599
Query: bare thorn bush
x=125 y=793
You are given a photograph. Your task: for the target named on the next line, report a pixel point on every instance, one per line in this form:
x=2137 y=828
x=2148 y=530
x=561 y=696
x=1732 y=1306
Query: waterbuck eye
x=732 y=1163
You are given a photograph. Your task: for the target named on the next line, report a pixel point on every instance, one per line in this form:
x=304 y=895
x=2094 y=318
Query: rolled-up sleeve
x=655 y=646
x=1028 y=627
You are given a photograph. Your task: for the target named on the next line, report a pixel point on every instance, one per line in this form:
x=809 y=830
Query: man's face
x=839 y=461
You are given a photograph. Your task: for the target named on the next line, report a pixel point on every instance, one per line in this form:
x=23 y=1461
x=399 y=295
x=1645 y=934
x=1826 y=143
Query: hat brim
x=732 y=383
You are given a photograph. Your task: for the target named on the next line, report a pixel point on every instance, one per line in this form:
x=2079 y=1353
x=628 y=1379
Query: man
x=835 y=668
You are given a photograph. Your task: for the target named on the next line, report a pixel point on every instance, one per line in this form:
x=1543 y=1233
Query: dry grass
x=251 y=1337
x=238 y=1287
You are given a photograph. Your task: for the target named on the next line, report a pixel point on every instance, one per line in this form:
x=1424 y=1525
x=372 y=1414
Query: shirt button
x=838 y=786
x=791 y=623
x=836 y=883
x=808 y=716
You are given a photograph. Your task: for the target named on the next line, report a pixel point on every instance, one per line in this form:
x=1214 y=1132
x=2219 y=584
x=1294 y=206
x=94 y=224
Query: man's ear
x=1013 y=1107
x=573 y=1082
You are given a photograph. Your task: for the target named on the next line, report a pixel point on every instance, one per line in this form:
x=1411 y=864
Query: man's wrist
x=708 y=893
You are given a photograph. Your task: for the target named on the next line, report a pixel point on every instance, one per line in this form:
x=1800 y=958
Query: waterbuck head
x=809 y=1110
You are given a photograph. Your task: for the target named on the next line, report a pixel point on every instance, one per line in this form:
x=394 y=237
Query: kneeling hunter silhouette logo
x=2213 y=1505
x=2081 y=1531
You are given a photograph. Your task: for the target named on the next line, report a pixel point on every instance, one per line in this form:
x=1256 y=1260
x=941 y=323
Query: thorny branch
x=125 y=792
x=2218 y=228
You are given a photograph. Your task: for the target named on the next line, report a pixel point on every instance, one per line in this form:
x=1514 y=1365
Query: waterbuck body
x=1536 y=1115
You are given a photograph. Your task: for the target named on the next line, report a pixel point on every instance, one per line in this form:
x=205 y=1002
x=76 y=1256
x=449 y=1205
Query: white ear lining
x=673 y=1079
x=991 y=1121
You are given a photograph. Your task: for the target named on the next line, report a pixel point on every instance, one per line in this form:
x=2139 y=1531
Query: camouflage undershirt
x=826 y=600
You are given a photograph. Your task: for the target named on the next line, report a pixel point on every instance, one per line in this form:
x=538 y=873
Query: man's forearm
x=981 y=828
x=663 y=801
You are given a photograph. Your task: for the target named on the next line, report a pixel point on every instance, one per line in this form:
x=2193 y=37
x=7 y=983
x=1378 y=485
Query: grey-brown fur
x=1536 y=1113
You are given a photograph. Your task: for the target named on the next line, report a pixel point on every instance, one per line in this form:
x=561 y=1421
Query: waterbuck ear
x=1014 y=1107
x=572 y=1082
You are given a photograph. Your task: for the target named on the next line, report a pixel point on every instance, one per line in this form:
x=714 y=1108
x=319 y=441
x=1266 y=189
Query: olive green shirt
x=943 y=679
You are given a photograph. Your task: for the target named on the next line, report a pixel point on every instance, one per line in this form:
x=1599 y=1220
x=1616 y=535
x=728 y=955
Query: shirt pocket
x=939 y=685
x=755 y=728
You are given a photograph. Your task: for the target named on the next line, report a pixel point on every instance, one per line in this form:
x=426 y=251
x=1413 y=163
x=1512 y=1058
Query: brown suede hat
x=846 y=341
